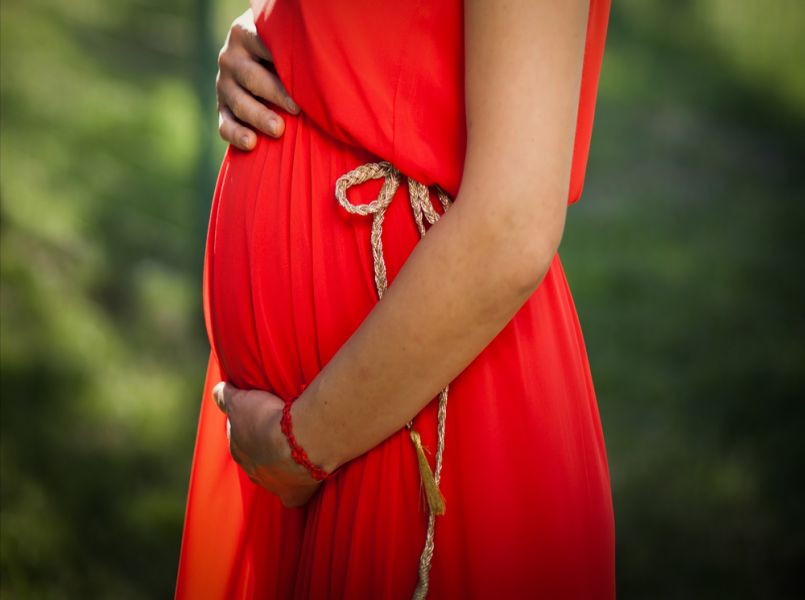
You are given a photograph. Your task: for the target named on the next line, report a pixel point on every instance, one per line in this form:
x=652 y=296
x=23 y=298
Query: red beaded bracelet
x=297 y=452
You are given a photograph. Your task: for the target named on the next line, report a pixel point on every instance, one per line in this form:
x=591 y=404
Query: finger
x=263 y=83
x=250 y=111
x=233 y=132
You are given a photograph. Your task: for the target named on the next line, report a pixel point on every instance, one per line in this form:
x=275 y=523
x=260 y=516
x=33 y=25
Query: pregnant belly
x=289 y=272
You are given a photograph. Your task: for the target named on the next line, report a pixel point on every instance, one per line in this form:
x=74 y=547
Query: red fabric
x=288 y=278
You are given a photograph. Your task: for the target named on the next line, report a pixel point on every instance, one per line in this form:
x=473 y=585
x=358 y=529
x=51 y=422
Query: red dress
x=288 y=277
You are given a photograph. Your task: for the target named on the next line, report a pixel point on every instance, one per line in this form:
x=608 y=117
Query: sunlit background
x=684 y=255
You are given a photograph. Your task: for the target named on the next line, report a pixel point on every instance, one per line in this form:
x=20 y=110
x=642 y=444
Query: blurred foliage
x=684 y=259
x=683 y=256
x=103 y=350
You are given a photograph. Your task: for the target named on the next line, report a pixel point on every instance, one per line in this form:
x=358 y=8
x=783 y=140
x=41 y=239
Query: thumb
x=220 y=394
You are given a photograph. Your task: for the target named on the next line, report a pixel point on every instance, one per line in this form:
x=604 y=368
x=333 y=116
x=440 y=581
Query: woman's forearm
x=487 y=254
x=458 y=288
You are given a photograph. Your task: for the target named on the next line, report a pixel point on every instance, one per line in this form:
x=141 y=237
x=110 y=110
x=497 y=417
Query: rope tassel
x=419 y=196
x=432 y=492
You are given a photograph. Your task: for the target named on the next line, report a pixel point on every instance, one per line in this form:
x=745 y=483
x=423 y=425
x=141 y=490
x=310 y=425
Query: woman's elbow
x=528 y=276
x=529 y=244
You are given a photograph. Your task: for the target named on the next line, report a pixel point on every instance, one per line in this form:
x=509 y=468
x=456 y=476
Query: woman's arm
x=470 y=274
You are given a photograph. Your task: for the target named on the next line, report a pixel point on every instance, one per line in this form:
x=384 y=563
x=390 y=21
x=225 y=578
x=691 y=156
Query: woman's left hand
x=258 y=445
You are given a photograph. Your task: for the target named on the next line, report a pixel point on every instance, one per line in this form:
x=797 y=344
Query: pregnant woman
x=390 y=246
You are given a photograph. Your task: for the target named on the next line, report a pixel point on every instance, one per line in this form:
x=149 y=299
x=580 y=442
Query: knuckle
x=223 y=56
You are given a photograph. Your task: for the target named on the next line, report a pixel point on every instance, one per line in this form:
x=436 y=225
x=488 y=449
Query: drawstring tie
x=419 y=196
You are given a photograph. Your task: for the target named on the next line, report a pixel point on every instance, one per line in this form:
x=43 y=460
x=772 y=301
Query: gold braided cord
x=419 y=196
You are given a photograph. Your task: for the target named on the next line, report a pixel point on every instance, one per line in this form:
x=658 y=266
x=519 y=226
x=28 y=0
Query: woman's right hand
x=244 y=81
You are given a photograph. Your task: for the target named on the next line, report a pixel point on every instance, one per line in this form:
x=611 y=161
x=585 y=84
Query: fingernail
x=293 y=106
x=273 y=126
x=244 y=141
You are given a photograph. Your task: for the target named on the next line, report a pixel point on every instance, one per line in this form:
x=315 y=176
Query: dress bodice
x=398 y=90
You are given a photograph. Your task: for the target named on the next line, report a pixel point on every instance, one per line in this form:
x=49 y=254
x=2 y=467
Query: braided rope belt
x=419 y=196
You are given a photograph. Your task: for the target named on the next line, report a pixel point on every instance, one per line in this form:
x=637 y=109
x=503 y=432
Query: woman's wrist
x=309 y=434
x=298 y=453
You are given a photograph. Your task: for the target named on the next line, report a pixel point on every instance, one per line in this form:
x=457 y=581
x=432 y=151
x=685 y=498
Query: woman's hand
x=245 y=79
x=258 y=445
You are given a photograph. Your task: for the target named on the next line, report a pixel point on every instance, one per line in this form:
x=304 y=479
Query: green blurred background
x=683 y=254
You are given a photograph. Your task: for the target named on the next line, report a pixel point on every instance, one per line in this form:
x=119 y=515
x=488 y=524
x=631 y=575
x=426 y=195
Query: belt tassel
x=432 y=492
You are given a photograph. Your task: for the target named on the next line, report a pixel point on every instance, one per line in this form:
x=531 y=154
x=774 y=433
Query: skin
x=468 y=277
x=246 y=79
